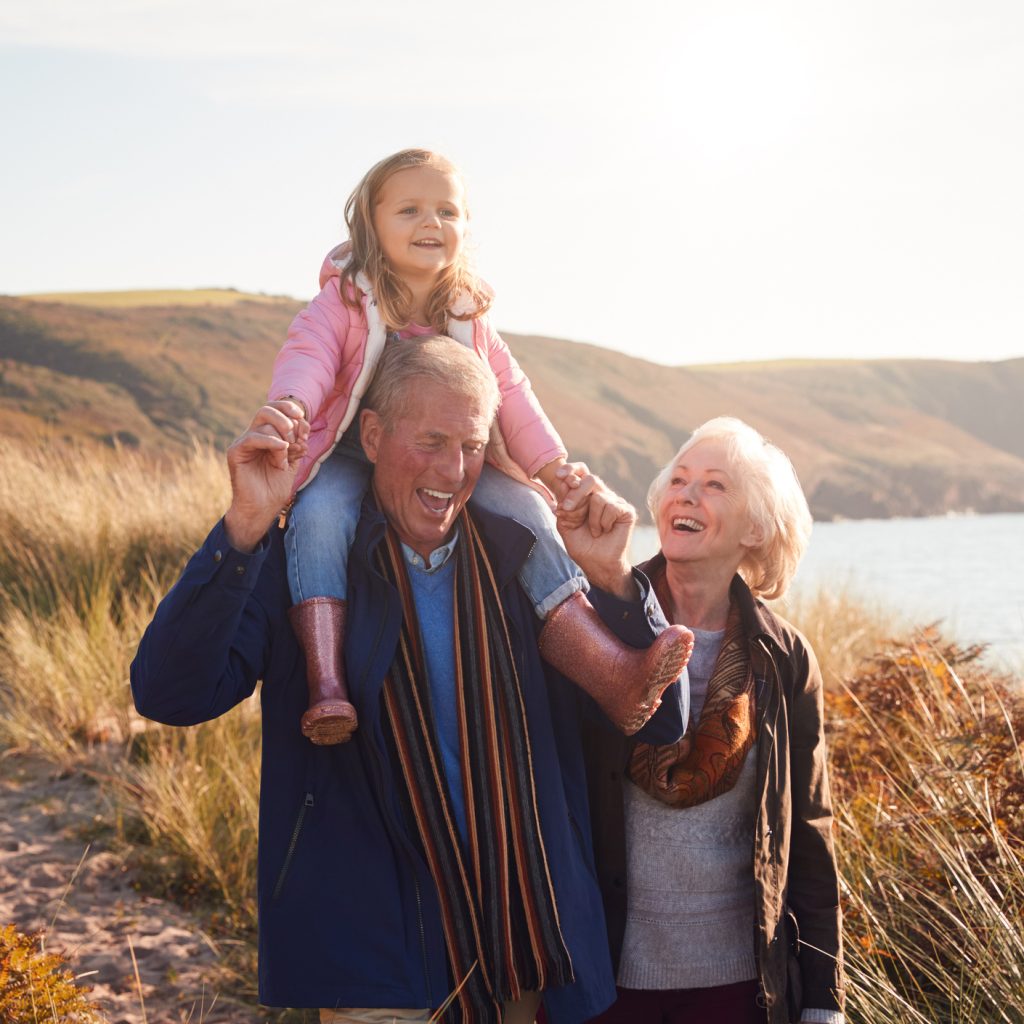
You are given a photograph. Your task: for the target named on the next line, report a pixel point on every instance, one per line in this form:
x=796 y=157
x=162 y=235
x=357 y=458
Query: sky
x=689 y=182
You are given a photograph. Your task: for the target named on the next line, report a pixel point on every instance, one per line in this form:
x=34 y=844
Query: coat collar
x=758 y=621
x=508 y=543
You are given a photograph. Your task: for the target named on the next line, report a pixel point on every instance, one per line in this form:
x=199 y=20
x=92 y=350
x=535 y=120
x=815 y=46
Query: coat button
x=239 y=570
x=217 y=555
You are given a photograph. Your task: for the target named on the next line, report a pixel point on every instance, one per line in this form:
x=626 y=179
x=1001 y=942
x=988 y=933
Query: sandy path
x=42 y=816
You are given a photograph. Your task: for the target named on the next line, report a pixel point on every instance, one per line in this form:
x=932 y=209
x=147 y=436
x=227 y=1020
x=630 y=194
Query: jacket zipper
x=307 y=803
x=759 y=920
x=423 y=938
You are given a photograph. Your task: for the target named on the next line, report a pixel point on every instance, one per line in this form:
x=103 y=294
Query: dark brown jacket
x=797 y=934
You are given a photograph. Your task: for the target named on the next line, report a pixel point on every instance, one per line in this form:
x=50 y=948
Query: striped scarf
x=706 y=762
x=498 y=907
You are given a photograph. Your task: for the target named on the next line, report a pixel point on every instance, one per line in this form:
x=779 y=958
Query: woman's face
x=702 y=516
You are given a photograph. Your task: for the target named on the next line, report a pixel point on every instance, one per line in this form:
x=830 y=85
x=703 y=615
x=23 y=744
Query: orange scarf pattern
x=707 y=761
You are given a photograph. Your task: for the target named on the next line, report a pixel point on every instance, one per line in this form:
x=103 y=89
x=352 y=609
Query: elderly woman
x=715 y=854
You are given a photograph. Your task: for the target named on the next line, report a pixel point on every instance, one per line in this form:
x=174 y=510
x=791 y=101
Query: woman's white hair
x=773 y=496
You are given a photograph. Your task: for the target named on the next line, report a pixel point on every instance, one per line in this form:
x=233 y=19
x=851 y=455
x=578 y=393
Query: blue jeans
x=322 y=525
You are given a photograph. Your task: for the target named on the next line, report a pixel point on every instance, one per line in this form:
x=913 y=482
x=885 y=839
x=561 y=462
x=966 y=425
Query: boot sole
x=329 y=724
x=670 y=661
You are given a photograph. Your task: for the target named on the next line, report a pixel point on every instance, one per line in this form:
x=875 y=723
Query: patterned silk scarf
x=707 y=761
x=497 y=901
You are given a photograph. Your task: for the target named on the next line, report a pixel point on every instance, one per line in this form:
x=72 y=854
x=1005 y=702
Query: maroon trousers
x=723 y=1004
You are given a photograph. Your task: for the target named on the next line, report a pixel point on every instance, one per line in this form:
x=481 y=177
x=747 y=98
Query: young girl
x=403 y=273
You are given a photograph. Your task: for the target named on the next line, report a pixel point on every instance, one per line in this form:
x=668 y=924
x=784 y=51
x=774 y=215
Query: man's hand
x=597 y=531
x=262 y=464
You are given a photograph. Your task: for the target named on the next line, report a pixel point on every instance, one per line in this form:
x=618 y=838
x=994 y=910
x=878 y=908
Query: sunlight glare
x=737 y=84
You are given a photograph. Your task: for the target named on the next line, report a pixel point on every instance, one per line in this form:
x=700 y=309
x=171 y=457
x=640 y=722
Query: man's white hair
x=406 y=365
x=773 y=498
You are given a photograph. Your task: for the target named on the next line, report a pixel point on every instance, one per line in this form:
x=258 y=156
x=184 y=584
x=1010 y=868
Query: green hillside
x=154 y=370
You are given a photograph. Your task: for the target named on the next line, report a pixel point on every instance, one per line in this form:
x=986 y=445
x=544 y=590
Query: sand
x=80 y=895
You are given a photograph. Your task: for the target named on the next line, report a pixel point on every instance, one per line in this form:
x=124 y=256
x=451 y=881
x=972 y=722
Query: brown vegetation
x=869 y=438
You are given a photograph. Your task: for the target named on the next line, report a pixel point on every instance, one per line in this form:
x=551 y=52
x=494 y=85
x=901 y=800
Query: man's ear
x=370 y=430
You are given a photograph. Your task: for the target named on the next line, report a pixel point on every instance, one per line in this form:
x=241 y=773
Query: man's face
x=427 y=464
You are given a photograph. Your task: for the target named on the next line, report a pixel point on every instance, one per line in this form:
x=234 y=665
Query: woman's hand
x=596 y=530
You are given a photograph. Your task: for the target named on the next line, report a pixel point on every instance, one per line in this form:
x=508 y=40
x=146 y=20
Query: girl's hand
x=299 y=434
x=561 y=478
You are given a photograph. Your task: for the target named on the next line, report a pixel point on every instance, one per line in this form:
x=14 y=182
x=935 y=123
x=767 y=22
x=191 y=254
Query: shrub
x=929 y=793
x=35 y=987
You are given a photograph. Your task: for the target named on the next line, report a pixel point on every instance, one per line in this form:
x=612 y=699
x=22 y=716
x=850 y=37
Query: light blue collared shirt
x=433 y=591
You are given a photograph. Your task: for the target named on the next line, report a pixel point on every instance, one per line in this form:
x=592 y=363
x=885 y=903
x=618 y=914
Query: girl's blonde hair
x=775 y=501
x=394 y=300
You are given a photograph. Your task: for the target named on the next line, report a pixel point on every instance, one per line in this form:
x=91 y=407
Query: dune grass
x=842 y=628
x=927 y=772
x=928 y=776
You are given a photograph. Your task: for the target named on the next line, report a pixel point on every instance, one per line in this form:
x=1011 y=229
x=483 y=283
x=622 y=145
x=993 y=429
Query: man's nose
x=452 y=466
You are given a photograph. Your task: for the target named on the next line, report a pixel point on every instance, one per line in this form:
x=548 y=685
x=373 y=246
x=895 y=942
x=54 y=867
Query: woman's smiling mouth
x=684 y=525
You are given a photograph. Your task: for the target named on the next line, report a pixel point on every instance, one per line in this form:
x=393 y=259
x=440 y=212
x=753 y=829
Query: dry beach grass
x=924 y=738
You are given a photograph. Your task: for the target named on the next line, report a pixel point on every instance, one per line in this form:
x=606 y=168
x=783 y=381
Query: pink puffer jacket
x=331 y=353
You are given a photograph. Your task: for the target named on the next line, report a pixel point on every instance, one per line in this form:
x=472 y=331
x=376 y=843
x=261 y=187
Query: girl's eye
x=408 y=209
x=449 y=213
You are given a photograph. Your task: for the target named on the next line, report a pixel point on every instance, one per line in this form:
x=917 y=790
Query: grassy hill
x=153 y=370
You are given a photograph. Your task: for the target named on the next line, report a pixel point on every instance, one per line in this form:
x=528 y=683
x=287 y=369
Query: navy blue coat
x=348 y=911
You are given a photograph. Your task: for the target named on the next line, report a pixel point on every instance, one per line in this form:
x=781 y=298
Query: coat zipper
x=423 y=938
x=759 y=921
x=307 y=803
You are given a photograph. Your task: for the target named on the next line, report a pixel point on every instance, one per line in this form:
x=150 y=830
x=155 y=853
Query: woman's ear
x=370 y=429
x=753 y=537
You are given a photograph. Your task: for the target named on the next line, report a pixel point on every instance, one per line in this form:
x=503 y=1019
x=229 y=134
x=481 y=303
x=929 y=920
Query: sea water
x=966 y=572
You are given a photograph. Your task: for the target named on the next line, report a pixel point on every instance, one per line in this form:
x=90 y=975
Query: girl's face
x=420 y=222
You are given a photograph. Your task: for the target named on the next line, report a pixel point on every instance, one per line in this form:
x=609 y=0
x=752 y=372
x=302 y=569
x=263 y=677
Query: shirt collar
x=438 y=557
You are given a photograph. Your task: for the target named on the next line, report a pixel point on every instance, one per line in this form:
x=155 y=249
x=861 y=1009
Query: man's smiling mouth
x=437 y=502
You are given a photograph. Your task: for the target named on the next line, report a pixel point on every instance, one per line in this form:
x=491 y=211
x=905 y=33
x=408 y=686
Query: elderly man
x=448 y=843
